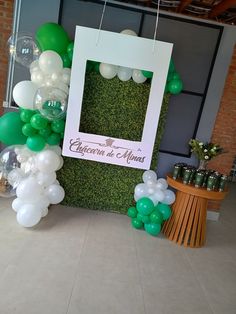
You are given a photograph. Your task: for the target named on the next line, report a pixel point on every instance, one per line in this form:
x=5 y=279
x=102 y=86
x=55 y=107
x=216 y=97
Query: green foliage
x=117 y=109
x=205 y=151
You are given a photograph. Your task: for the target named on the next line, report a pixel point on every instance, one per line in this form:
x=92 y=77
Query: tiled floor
x=84 y=262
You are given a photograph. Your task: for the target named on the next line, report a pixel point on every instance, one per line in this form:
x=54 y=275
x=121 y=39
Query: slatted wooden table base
x=187 y=224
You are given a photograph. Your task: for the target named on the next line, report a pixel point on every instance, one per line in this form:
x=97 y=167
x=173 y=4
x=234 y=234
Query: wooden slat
x=182 y=5
x=186 y=218
x=221 y=7
x=195 y=224
x=203 y=233
x=190 y=222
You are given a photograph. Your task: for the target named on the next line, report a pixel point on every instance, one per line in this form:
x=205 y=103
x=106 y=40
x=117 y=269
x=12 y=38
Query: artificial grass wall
x=116 y=109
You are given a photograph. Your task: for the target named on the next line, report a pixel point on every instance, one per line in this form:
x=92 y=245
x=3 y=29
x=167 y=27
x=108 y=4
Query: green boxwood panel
x=114 y=109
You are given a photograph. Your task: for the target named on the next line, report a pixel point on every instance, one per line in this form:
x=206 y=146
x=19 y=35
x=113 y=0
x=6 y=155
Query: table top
x=190 y=189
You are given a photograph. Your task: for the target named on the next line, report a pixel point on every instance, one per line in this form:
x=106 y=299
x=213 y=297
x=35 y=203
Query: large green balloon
x=11 y=129
x=175 y=86
x=136 y=223
x=153 y=229
x=46 y=131
x=156 y=217
x=164 y=209
x=26 y=114
x=36 y=143
x=51 y=36
x=145 y=206
x=58 y=126
x=144 y=218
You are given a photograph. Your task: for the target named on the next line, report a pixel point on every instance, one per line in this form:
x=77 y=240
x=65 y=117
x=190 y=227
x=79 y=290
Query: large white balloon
x=108 y=71
x=141 y=190
x=50 y=62
x=29 y=215
x=44 y=212
x=138 y=76
x=47 y=161
x=124 y=73
x=37 y=77
x=24 y=93
x=55 y=193
x=15 y=177
x=149 y=175
x=169 y=197
x=29 y=190
x=128 y=32
x=159 y=195
x=17 y=204
x=46 y=178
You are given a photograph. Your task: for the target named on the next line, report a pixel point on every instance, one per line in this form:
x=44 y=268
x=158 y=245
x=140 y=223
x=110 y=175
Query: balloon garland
x=28 y=165
x=152 y=203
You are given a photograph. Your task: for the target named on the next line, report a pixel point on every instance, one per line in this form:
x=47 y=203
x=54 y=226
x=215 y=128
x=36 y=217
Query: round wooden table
x=187 y=224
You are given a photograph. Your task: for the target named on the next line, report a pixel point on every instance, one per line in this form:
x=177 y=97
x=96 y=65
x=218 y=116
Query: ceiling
x=223 y=11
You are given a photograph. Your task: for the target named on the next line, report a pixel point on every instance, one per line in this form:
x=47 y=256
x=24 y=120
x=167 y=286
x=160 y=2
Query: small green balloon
x=156 y=217
x=136 y=223
x=175 y=87
x=54 y=139
x=132 y=212
x=164 y=209
x=62 y=135
x=144 y=218
x=28 y=130
x=36 y=143
x=26 y=115
x=70 y=50
x=38 y=122
x=96 y=67
x=171 y=66
x=66 y=60
x=46 y=131
x=147 y=74
x=175 y=76
x=153 y=229
x=58 y=126
x=145 y=206
x=11 y=129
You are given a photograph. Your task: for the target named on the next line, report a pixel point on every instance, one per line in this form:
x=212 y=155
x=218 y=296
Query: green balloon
x=28 y=130
x=153 y=229
x=132 y=212
x=175 y=76
x=144 y=218
x=54 y=139
x=145 y=206
x=58 y=126
x=62 y=135
x=136 y=223
x=36 y=143
x=147 y=74
x=46 y=131
x=156 y=217
x=51 y=36
x=26 y=115
x=171 y=66
x=11 y=129
x=89 y=66
x=164 y=209
x=96 y=67
x=66 y=61
x=70 y=50
x=38 y=122
x=175 y=86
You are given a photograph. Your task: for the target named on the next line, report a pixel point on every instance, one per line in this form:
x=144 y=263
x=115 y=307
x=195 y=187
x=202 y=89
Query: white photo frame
x=123 y=50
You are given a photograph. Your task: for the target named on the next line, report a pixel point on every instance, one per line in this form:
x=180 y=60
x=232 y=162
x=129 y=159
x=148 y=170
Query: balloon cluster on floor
x=152 y=203
x=28 y=166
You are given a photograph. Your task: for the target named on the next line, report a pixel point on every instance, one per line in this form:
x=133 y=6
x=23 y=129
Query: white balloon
x=61 y=163
x=29 y=190
x=23 y=94
x=47 y=161
x=151 y=183
x=55 y=76
x=28 y=215
x=43 y=202
x=138 y=76
x=62 y=86
x=56 y=148
x=128 y=32
x=44 y=212
x=15 y=177
x=153 y=198
x=141 y=190
x=162 y=184
x=108 y=71
x=149 y=175
x=124 y=73
x=46 y=178
x=159 y=195
x=17 y=204
x=151 y=191
x=50 y=62
x=34 y=66
x=55 y=193
x=66 y=73
x=37 y=77
x=169 y=197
